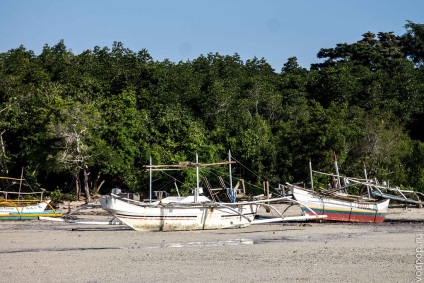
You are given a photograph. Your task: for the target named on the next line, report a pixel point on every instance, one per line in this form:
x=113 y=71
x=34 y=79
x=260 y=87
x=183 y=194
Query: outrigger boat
x=24 y=205
x=384 y=191
x=72 y=216
x=340 y=206
x=196 y=212
x=337 y=204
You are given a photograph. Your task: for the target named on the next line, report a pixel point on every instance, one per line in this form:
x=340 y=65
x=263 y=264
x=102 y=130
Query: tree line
x=88 y=122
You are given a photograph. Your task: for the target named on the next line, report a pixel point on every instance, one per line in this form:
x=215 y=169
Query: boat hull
x=180 y=216
x=13 y=210
x=14 y=207
x=29 y=215
x=338 y=209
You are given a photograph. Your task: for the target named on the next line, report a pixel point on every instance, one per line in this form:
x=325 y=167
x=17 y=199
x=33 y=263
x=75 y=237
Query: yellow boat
x=24 y=205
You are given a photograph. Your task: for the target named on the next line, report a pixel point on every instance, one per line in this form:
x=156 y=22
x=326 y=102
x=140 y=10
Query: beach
x=47 y=251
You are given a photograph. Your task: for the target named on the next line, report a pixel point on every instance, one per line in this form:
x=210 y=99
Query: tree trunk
x=86 y=187
x=4 y=169
x=77 y=187
x=100 y=186
x=96 y=187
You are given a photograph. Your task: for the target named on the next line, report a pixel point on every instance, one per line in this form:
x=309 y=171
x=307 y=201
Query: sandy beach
x=46 y=251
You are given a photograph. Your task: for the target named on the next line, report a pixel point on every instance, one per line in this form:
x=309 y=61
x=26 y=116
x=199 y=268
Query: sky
x=181 y=30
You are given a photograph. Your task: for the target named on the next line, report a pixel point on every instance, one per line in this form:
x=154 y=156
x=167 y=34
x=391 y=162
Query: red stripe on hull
x=334 y=216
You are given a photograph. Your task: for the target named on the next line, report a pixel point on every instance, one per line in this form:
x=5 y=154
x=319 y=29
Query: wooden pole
x=366 y=180
x=20 y=183
x=267 y=189
x=150 y=180
x=176 y=186
x=196 y=190
x=310 y=173
x=337 y=171
x=231 y=177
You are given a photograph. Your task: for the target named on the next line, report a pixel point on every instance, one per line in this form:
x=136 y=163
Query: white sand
x=44 y=251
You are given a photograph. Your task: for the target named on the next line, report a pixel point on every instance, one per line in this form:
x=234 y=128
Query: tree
x=73 y=134
x=413 y=43
x=123 y=137
x=381 y=143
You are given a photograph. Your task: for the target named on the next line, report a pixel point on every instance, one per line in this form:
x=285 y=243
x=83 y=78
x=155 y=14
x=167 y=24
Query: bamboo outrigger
x=337 y=204
x=25 y=205
x=196 y=211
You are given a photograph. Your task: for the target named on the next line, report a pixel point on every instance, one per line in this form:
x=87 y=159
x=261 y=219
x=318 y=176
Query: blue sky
x=185 y=29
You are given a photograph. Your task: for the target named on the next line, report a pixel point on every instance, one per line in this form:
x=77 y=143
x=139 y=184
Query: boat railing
x=23 y=196
x=20 y=203
x=133 y=201
x=268 y=203
x=380 y=189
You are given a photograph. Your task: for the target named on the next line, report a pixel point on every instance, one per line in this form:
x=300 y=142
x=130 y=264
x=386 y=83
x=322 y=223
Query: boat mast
x=196 y=190
x=366 y=180
x=150 y=180
x=310 y=173
x=176 y=187
x=231 y=177
x=232 y=192
x=337 y=170
x=20 y=183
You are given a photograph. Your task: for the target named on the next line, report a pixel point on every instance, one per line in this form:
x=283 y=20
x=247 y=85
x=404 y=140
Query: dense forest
x=86 y=122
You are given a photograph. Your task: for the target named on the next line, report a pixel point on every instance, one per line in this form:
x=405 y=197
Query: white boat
x=18 y=205
x=339 y=206
x=180 y=213
x=13 y=206
x=196 y=212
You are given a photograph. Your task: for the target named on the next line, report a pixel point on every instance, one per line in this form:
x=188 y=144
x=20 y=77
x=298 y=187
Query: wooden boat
x=18 y=205
x=26 y=209
x=182 y=213
x=195 y=212
x=179 y=213
x=339 y=206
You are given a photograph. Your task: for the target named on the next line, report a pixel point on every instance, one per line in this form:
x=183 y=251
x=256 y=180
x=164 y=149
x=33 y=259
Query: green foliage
x=100 y=115
x=58 y=197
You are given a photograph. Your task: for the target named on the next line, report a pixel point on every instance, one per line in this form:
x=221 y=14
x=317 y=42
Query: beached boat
x=195 y=212
x=184 y=213
x=336 y=203
x=179 y=213
x=172 y=213
x=26 y=210
x=19 y=205
x=340 y=206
